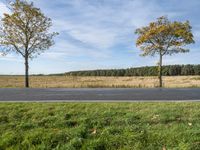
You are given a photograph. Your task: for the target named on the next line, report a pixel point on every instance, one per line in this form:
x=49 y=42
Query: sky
x=99 y=34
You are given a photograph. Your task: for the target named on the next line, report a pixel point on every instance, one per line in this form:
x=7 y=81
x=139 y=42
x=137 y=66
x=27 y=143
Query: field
x=99 y=126
x=98 y=82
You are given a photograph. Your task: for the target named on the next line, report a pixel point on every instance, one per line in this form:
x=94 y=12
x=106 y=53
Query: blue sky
x=99 y=34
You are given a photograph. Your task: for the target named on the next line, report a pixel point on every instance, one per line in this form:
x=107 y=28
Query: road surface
x=103 y=94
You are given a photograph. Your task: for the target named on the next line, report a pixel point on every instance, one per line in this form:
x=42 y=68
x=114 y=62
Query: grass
x=99 y=126
x=99 y=82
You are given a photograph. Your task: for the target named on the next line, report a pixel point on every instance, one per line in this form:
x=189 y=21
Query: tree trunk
x=26 y=73
x=160 y=71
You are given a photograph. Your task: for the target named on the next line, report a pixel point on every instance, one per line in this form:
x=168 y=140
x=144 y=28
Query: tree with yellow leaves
x=164 y=37
x=25 y=31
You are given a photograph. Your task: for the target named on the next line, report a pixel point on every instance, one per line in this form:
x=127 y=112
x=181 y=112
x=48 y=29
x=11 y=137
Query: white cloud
x=197 y=35
x=96 y=37
x=11 y=57
x=100 y=26
x=64 y=49
x=3 y=9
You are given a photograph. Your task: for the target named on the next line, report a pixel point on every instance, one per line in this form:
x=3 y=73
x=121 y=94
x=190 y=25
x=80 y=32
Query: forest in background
x=168 y=70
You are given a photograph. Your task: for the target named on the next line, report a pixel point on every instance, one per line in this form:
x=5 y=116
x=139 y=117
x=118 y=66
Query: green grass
x=99 y=126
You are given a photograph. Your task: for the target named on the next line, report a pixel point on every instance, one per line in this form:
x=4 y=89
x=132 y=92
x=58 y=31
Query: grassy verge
x=99 y=126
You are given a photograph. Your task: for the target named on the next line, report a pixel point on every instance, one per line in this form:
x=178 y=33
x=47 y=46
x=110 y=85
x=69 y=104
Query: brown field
x=98 y=82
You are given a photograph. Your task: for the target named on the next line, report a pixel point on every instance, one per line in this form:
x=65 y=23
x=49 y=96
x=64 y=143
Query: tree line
x=169 y=70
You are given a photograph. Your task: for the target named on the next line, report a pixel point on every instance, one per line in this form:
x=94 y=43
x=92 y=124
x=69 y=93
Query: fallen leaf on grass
x=164 y=148
x=154 y=117
x=94 y=131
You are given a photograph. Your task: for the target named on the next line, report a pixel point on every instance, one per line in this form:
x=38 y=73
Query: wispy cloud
x=95 y=37
x=10 y=57
x=93 y=28
x=3 y=9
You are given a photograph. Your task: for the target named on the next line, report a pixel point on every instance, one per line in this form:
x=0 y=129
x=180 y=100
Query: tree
x=164 y=38
x=26 y=32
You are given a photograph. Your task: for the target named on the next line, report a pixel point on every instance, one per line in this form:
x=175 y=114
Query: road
x=105 y=94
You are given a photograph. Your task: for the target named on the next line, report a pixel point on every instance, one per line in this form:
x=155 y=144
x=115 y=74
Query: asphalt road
x=104 y=94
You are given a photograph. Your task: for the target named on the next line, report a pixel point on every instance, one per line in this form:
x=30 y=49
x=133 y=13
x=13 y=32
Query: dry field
x=99 y=82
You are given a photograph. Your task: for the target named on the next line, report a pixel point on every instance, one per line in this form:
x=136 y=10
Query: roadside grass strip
x=99 y=126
